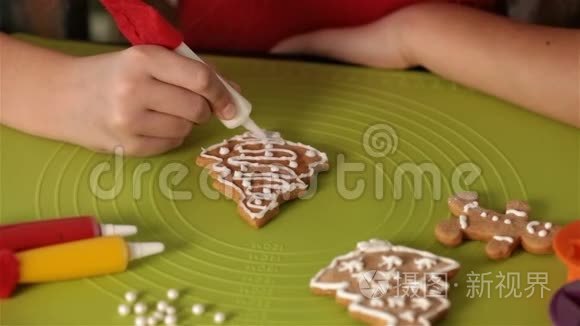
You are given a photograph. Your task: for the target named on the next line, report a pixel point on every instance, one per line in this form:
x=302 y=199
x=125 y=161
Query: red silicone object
x=142 y=24
x=567 y=246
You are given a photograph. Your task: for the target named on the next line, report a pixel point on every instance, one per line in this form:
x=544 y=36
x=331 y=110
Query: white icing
x=420 y=303
x=502 y=238
x=425 y=263
x=483 y=214
x=377 y=303
x=357 y=299
x=224 y=151
x=310 y=153
x=408 y=315
x=507 y=221
x=396 y=302
x=254 y=163
x=542 y=233
x=469 y=206
x=351 y=266
x=495 y=218
x=390 y=261
x=516 y=213
x=530 y=226
x=548 y=226
x=463 y=222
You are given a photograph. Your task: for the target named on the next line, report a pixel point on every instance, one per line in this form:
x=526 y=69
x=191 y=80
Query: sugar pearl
x=170 y=320
x=140 y=308
x=172 y=294
x=483 y=214
x=268 y=154
x=507 y=221
x=219 y=318
x=293 y=164
x=548 y=225
x=170 y=310
x=495 y=218
x=274 y=169
x=124 y=309
x=140 y=321
x=197 y=309
x=267 y=190
x=152 y=321
x=131 y=296
x=161 y=305
x=237 y=174
x=543 y=233
x=310 y=153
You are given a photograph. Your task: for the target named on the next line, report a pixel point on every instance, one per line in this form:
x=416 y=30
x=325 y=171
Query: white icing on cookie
x=224 y=151
x=516 y=213
x=483 y=214
x=420 y=303
x=507 y=221
x=351 y=266
x=530 y=226
x=425 y=263
x=502 y=238
x=408 y=315
x=276 y=171
x=542 y=233
x=377 y=303
x=463 y=222
x=469 y=206
x=310 y=153
x=396 y=302
x=390 y=261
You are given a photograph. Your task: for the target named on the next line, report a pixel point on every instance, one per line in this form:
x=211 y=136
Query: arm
x=145 y=99
x=532 y=66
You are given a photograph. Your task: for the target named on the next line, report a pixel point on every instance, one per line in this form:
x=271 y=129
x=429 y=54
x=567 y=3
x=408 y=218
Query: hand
x=145 y=99
x=378 y=44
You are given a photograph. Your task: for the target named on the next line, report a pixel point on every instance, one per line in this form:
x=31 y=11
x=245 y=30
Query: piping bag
x=142 y=24
x=71 y=260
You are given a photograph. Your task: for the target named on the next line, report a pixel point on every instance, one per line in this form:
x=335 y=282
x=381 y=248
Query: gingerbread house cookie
x=383 y=284
x=503 y=232
x=260 y=174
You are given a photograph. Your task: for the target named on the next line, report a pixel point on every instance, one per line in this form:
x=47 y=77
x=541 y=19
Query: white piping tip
x=139 y=250
x=118 y=230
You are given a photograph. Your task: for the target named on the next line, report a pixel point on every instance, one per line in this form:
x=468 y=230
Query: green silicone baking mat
x=405 y=139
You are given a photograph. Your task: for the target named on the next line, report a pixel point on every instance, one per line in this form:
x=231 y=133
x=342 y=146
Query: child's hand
x=379 y=44
x=145 y=99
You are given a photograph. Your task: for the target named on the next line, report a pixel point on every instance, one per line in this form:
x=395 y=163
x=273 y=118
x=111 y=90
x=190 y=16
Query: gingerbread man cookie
x=383 y=284
x=260 y=174
x=502 y=232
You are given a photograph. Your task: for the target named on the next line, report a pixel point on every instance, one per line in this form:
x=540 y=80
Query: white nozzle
x=119 y=230
x=139 y=250
x=243 y=106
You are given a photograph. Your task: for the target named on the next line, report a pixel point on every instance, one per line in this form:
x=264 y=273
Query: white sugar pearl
x=267 y=190
x=219 y=318
x=172 y=294
x=131 y=296
x=197 y=309
x=124 y=309
x=170 y=310
x=268 y=154
x=274 y=169
x=507 y=221
x=495 y=218
x=548 y=225
x=293 y=164
x=161 y=305
x=543 y=233
x=140 y=321
x=483 y=214
x=310 y=153
x=258 y=202
x=224 y=151
x=170 y=320
x=152 y=321
x=237 y=174
x=140 y=308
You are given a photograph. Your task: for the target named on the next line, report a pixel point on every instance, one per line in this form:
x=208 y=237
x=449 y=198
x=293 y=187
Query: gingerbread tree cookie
x=383 y=284
x=260 y=174
x=502 y=232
